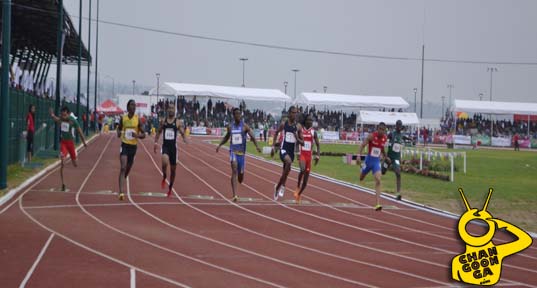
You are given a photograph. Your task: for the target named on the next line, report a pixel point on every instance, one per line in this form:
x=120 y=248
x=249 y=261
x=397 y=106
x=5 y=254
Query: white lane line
x=300 y=228
x=133 y=278
x=266 y=257
x=366 y=217
x=51 y=169
x=31 y=271
x=21 y=207
x=329 y=220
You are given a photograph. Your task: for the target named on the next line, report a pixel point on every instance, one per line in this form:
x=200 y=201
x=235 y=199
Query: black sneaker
x=398 y=197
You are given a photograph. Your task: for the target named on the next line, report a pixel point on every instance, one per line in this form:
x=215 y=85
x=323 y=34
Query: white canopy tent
x=495 y=107
x=375 y=117
x=351 y=101
x=222 y=92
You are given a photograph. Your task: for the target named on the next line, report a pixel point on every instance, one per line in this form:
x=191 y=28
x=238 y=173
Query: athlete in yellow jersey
x=129 y=130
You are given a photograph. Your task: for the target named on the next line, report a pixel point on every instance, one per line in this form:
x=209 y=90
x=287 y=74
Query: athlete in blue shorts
x=236 y=132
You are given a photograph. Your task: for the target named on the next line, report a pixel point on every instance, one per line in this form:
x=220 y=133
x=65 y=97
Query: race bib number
x=169 y=134
x=396 y=147
x=236 y=138
x=128 y=134
x=65 y=126
x=375 y=152
x=290 y=137
x=307 y=146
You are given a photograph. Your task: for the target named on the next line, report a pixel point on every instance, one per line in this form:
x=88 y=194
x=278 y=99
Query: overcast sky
x=484 y=30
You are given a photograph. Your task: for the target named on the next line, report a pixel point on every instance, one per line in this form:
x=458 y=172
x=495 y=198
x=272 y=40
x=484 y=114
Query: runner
x=170 y=125
x=30 y=130
x=375 y=141
x=129 y=130
x=237 y=131
x=308 y=135
x=292 y=135
x=395 y=144
x=68 y=125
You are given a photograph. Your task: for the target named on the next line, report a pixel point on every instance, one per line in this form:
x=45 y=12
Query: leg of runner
x=234 y=179
x=61 y=172
x=122 y=175
x=172 y=179
x=397 y=170
x=378 y=187
x=301 y=175
x=286 y=169
x=165 y=161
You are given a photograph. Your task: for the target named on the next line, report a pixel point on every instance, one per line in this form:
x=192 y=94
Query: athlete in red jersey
x=375 y=141
x=309 y=135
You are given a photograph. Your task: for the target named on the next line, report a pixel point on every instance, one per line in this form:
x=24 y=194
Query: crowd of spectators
x=480 y=124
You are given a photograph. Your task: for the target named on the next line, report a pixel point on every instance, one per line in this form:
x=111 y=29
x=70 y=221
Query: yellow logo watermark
x=481 y=263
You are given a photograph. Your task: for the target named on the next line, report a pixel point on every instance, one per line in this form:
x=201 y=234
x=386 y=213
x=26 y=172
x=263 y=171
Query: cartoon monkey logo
x=481 y=264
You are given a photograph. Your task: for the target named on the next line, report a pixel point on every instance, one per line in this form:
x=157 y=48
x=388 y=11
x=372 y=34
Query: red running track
x=198 y=238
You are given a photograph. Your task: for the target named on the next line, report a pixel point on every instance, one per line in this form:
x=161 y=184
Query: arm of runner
x=120 y=127
x=298 y=134
x=181 y=130
x=54 y=117
x=141 y=133
x=225 y=139
x=362 y=146
x=318 y=145
x=157 y=136
x=275 y=139
x=252 y=137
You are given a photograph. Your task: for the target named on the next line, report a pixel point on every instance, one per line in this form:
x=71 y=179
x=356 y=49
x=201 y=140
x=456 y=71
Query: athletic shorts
x=306 y=159
x=171 y=151
x=290 y=153
x=371 y=164
x=129 y=151
x=67 y=147
x=30 y=142
x=239 y=158
x=396 y=163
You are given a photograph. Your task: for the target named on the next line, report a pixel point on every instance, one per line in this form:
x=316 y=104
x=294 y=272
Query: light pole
x=133 y=85
x=158 y=90
x=325 y=88
x=491 y=69
x=243 y=68
x=295 y=70
x=415 y=100
x=443 y=113
x=480 y=96
x=450 y=87
x=285 y=83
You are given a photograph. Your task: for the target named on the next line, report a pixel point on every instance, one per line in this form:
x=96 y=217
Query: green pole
x=96 y=63
x=4 y=90
x=59 y=57
x=86 y=125
x=79 y=64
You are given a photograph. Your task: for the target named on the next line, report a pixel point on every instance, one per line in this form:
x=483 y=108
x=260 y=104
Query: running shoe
x=282 y=191
x=121 y=196
x=163 y=183
x=235 y=198
x=275 y=193
x=297 y=196
x=398 y=197
x=63 y=187
x=378 y=207
x=169 y=193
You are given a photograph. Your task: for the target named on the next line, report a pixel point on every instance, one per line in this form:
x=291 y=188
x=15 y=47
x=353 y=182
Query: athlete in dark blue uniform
x=169 y=126
x=292 y=135
x=236 y=132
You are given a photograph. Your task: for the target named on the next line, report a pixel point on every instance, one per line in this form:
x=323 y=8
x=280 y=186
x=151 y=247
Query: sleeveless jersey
x=305 y=150
x=130 y=125
x=395 y=145
x=170 y=132
x=238 y=138
x=289 y=139
x=376 y=145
